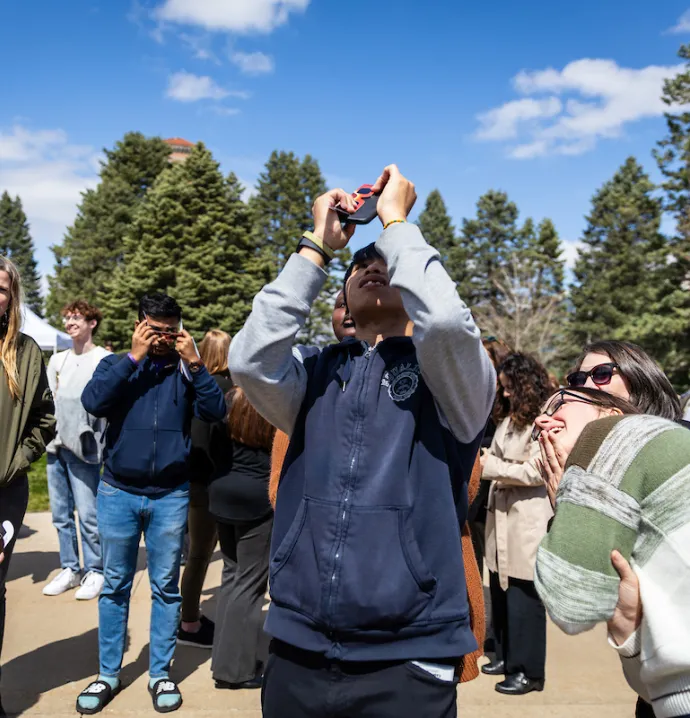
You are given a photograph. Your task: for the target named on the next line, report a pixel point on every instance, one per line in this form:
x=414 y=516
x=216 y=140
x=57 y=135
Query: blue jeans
x=72 y=483
x=122 y=518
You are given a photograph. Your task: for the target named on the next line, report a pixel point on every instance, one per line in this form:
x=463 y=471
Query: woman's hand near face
x=552 y=464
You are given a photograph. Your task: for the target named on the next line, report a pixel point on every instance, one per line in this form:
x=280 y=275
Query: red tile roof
x=179 y=142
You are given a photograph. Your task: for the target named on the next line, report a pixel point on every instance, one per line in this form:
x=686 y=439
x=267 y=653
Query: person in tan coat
x=517 y=519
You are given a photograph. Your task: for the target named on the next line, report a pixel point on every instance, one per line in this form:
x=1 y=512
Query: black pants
x=301 y=684
x=519 y=626
x=13 y=502
x=202 y=541
x=239 y=635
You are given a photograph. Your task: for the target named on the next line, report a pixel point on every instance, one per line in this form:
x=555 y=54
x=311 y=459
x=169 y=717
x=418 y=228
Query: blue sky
x=541 y=99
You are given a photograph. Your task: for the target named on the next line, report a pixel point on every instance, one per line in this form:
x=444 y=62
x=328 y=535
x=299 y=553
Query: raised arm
x=452 y=359
x=262 y=359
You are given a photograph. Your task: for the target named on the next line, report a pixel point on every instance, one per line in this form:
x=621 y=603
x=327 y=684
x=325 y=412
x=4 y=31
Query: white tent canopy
x=47 y=337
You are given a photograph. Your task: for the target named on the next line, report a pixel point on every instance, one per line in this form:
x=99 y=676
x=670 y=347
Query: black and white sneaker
x=203 y=638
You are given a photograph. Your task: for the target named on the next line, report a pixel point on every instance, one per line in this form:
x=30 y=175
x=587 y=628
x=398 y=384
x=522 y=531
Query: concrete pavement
x=50 y=654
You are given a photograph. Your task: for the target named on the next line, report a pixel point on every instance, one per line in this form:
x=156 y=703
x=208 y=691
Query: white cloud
x=571 y=249
x=586 y=101
x=236 y=16
x=502 y=122
x=682 y=26
x=49 y=174
x=187 y=87
x=253 y=63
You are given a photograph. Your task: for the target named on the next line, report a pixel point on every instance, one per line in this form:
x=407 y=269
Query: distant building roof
x=178 y=142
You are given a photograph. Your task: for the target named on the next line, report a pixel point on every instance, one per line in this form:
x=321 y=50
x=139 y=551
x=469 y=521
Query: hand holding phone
x=365 y=206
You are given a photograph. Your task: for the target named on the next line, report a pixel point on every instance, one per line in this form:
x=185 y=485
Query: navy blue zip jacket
x=366 y=556
x=149 y=411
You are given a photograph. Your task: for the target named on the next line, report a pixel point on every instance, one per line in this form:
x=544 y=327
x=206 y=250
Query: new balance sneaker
x=203 y=638
x=64 y=581
x=91 y=586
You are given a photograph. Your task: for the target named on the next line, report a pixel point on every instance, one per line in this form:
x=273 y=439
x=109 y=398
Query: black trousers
x=202 y=542
x=301 y=684
x=519 y=626
x=13 y=502
x=239 y=642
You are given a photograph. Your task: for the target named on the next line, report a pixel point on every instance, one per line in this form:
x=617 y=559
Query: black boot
x=495 y=668
x=518 y=684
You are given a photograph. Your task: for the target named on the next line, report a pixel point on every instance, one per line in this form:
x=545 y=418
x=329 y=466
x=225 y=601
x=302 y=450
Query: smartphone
x=365 y=207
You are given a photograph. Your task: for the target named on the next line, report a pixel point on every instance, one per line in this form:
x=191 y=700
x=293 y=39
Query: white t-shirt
x=68 y=374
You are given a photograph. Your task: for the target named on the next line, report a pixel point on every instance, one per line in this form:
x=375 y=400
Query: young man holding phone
x=369 y=614
x=148 y=401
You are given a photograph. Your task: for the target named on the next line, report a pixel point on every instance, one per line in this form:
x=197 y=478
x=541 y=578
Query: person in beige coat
x=518 y=514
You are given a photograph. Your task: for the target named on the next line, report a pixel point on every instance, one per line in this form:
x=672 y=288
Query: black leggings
x=14 y=499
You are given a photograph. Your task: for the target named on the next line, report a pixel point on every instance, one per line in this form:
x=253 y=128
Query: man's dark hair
x=650 y=390
x=158 y=305
x=361 y=255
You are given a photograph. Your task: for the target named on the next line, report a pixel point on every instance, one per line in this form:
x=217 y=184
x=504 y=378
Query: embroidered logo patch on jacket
x=401 y=381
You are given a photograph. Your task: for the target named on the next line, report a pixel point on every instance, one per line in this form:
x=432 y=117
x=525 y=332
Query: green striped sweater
x=627 y=487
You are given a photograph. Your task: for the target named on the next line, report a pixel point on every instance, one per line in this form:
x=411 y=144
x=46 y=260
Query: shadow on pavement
x=26 y=677
x=37 y=564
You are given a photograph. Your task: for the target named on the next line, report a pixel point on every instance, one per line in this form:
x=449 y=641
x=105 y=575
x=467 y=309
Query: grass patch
x=38 y=486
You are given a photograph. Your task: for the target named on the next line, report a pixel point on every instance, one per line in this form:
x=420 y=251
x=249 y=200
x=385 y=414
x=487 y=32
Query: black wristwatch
x=304 y=242
x=194 y=366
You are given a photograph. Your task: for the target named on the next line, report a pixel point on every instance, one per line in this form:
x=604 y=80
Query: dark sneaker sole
x=194 y=644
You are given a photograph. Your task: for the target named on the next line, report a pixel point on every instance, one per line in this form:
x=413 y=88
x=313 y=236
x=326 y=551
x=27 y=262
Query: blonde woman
x=27 y=421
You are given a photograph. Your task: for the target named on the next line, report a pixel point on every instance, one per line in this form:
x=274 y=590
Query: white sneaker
x=91 y=586
x=65 y=580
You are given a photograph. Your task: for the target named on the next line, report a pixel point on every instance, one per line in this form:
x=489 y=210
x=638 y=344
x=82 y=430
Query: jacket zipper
x=155 y=432
x=348 y=489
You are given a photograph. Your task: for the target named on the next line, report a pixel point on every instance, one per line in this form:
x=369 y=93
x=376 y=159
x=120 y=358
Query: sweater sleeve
x=573 y=574
x=453 y=362
x=262 y=358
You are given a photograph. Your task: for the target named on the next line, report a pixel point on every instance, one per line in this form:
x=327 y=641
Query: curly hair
x=530 y=388
x=88 y=311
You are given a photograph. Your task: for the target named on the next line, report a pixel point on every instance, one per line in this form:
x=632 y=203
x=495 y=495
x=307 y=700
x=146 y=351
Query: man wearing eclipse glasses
x=148 y=398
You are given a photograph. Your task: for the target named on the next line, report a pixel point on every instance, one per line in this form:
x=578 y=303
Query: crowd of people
x=368 y=483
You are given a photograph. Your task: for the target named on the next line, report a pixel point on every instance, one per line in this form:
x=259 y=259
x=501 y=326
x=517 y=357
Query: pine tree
x=438 y=230
x=618 y=273
x=93 y=246
x=281 y=212
x=665 y=328
x=191 y=238
x=16 y=243
x=488 y=241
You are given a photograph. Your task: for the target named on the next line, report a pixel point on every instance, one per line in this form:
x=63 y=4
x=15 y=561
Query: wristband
x=304 y=242
x=320 y=244
x=394 y=221
x=130 y=356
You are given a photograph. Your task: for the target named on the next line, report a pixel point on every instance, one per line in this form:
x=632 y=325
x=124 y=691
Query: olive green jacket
x=27 y=424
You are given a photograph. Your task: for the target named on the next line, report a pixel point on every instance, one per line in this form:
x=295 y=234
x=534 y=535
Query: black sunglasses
x=601 y=375
x=556 y=402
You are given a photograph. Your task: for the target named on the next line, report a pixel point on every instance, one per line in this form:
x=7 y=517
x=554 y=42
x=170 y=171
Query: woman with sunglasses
x=623 y=497
x=517 y=518
x=626 y=370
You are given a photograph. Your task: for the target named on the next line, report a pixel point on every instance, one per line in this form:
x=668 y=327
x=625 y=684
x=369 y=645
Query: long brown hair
x=245 y=424
x=530 y=388
x=9 y=327
x=213 y=350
